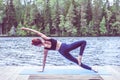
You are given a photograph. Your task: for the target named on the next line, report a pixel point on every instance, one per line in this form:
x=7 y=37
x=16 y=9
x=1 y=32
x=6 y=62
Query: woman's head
x=36 y=42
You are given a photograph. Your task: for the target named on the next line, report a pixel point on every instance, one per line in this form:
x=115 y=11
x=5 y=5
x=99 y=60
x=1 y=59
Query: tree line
x=60 y=17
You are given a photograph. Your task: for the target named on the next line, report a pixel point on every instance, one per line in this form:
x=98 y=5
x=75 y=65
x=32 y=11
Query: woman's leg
x=64 y=50
x=77 y=44
x=71 y=58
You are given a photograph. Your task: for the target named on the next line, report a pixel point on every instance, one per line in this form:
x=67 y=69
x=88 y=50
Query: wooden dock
x=13 y=73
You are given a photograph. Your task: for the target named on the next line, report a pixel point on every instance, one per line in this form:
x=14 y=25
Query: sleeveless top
x=53 y=44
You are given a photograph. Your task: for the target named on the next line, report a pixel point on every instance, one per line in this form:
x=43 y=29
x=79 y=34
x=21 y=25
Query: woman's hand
x=79 y=59
x=36 y=32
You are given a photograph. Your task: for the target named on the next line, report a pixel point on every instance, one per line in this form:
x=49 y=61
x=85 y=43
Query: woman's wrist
x=23 y=28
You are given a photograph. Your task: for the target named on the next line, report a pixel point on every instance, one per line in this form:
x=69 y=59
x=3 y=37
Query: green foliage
x=103 y=30
x=61 y=17
x=19 y=31
x=61 y=25
x=2 y=15
x=116 y=27
x=84 y=31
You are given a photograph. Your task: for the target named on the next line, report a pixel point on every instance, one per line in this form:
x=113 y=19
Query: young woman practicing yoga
x=63 y=48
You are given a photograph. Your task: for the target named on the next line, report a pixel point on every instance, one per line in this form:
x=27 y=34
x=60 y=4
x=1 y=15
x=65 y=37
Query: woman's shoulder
x=51 y=39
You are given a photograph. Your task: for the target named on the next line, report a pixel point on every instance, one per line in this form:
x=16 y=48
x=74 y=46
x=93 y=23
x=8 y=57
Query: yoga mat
x=64 y=72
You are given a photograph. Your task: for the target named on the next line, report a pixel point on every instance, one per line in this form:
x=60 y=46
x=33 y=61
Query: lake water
x=18 y=51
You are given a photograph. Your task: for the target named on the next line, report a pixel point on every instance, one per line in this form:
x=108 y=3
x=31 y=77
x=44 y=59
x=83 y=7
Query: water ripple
x=18 y=51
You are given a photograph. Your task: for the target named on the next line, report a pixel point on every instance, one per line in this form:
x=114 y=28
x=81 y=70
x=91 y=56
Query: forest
x=60 y=17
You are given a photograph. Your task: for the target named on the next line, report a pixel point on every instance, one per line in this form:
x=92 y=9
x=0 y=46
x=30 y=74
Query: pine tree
x=83 y=28
x=10 y=19
x=89 y=12
x=69 y=26
x=57 y=19
x=103 y=30
x=48 y=17
x=77 y=17
x=37 y=19
x=97 y=12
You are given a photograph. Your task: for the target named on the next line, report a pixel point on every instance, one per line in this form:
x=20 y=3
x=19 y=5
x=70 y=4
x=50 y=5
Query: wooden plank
x=2 y=70
x=117 y=68
x=114 y=74
x=7 y=73
x=12 y=73
x=22 y=77
x=16 y=72
x=64 y=77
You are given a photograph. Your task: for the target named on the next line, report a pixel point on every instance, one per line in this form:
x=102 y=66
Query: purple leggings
x=66 y=48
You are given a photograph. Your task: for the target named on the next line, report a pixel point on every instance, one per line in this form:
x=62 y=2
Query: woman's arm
x=44 y=60
x=37 y=32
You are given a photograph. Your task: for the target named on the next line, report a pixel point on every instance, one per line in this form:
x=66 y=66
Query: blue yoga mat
x=64 y=72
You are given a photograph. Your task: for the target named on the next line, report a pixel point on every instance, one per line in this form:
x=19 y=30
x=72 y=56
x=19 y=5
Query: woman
x=63 y=48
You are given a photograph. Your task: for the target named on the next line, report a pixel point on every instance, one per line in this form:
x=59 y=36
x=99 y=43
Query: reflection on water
x=18 y=51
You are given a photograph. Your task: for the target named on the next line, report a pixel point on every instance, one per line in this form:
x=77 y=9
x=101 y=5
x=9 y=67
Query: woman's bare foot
x=95 y=70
